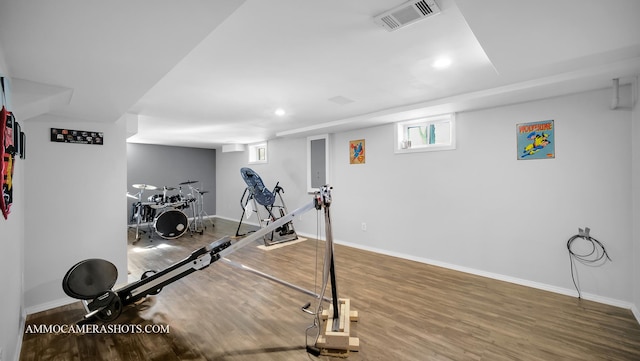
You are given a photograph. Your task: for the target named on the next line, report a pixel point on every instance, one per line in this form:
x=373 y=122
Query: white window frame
x=254 y=153
x=404 y=146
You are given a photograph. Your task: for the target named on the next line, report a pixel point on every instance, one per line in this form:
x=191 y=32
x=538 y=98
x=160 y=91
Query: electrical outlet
x=363 y=226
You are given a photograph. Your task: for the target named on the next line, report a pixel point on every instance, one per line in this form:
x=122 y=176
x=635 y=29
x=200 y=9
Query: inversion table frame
x=258 y=194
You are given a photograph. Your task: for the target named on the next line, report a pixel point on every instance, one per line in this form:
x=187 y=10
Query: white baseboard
x=223 y=217
x=244 y=221
x=21 y=325
x=636 y=312
x=497 y=276
x=49 y=305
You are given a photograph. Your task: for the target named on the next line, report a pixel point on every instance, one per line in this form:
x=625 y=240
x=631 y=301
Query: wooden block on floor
x=353 y=315
x=339 y=339
x=354 y=343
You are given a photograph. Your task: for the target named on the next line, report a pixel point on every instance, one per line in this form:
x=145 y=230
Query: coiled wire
x=594 y=257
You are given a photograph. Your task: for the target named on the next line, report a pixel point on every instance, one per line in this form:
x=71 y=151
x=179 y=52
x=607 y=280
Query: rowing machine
x=92 y=280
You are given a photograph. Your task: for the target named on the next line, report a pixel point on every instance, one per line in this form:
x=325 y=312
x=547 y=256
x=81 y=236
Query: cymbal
x=144 y=186
x=188 y=182
x=169 y=188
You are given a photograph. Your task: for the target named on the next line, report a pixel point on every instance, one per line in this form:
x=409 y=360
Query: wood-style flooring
x=407 y=311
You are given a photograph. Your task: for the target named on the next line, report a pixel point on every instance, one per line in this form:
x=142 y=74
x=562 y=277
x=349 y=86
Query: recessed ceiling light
x=442 y=63
x=279 y=112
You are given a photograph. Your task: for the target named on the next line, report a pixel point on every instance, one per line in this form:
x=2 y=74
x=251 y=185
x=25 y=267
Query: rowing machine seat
x=89 y=279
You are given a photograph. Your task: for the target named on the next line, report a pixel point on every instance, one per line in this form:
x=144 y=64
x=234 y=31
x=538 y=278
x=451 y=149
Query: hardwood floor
x=408 y=311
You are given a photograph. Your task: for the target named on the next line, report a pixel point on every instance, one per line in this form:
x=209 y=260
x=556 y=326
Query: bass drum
x=171 y=224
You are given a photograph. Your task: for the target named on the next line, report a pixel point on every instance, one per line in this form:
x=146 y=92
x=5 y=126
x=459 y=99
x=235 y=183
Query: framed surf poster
x=536 y=140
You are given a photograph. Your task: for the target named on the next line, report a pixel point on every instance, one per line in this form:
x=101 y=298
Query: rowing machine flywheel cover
x=89 y=278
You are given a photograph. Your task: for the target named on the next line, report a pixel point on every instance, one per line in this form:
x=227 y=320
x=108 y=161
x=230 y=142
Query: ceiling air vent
x=407 y=13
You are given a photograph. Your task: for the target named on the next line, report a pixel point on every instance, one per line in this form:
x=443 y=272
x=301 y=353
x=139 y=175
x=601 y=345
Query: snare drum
x=171 y=224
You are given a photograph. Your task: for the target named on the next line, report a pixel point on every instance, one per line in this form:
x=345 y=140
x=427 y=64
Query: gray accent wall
x=161 y=166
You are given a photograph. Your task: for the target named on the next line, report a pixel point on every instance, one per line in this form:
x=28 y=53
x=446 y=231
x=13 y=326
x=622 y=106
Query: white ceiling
x=207 y=73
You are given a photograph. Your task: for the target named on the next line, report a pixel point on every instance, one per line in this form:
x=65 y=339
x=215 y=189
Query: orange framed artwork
x=357 y=151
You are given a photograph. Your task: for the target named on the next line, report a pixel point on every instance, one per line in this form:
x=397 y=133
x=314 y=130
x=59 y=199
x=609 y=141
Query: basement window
x=426 y=134
x=258 y=153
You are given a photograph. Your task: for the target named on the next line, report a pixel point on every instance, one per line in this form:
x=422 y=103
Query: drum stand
x=201 y=212
x=138 y=218
x=139 y=206
x=193 y=226
x=197 y=197
x=190 y=198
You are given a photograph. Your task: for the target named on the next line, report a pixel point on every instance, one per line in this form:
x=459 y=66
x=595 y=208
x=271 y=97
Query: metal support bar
x=200 y=259
x=274 y=279
x=330 y=270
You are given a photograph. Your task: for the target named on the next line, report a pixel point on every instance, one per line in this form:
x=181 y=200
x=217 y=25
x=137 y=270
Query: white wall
x=477 y=208
x=11 y=263
x=3 y=64
x=11 y=269
x=76 y=206
x=287 y=165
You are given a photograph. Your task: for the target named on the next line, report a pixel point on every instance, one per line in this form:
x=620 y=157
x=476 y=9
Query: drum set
x=166 y=213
